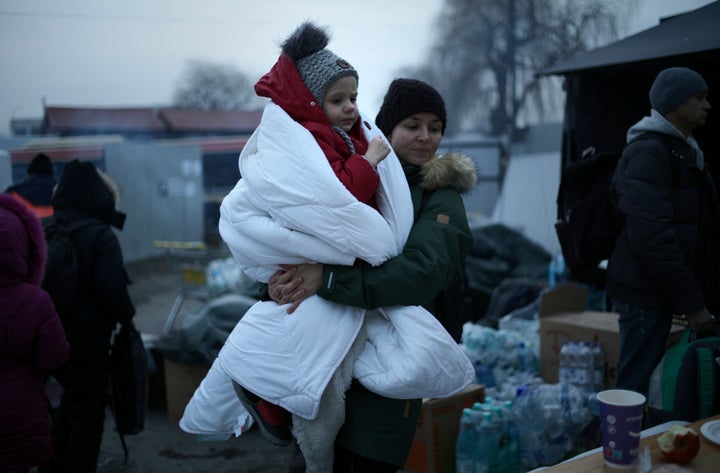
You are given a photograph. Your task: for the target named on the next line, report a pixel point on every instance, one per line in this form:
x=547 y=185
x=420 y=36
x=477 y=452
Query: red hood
x=283 y=85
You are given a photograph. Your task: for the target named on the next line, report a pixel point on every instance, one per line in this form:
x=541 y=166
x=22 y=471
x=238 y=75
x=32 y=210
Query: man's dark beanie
x=40 y=165
x=673 y=86
x=406 y=97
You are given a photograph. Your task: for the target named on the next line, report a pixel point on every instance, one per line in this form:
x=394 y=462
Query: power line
x=125 y=18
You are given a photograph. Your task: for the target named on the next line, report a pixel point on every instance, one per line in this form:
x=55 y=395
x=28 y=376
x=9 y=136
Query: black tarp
x=500 y=253
x=199 y=334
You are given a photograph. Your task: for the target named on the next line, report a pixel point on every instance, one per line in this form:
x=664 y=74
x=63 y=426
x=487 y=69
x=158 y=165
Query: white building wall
x=527 y=200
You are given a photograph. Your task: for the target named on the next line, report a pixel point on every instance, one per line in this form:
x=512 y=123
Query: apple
x=679 y=444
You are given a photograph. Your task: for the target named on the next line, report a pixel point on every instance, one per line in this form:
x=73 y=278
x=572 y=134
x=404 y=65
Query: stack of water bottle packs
x=488 y=439
x=583 y=365
x=524 y=422
x=503 y=360
x=538 y=428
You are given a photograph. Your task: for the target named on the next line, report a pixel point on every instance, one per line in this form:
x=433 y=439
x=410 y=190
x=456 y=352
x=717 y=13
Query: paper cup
x=621 y=415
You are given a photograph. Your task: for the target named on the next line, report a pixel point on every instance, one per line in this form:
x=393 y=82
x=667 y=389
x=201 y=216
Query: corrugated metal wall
x=161 y=190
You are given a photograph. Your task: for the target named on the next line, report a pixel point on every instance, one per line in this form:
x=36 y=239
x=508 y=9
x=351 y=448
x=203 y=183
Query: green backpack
x=686 y=383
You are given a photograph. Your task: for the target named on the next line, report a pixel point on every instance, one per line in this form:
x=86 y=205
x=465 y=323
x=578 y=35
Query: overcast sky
x=124 y=53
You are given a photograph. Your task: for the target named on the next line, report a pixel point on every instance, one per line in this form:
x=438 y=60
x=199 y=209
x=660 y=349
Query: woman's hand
x=295 y=283
x=282 y=282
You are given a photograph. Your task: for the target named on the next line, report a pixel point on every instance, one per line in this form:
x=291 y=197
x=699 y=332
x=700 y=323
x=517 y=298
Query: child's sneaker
x=273 y=420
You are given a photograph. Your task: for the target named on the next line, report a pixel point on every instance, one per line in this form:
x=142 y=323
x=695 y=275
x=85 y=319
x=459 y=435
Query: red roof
x=64 y=119
x=188 y=120
x=85 y=153
x=155 y=121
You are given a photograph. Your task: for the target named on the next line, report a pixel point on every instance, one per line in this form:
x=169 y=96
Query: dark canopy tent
x=607 y=88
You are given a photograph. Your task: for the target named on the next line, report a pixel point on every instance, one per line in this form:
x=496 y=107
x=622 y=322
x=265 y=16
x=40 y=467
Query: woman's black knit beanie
x=405 y=97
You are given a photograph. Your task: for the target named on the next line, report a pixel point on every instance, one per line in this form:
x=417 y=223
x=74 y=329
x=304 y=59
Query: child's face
x=340 y=103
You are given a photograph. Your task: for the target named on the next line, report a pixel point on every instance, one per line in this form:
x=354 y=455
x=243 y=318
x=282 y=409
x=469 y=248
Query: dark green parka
x=438 y=242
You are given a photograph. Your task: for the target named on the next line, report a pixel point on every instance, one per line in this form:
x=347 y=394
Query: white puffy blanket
x=289 y=207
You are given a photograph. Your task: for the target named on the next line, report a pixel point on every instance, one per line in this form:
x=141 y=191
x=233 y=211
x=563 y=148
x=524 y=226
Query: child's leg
x=273 y=420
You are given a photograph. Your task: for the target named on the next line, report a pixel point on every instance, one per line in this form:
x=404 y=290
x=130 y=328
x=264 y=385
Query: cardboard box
x=433 y=449
x=563 y=298
x=181 y=381
x=583 y=326
x=563 y=317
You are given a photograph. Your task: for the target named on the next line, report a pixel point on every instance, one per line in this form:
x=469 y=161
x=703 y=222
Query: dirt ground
x=162 y=446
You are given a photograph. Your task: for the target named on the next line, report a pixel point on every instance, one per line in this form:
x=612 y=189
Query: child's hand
x=378 y=150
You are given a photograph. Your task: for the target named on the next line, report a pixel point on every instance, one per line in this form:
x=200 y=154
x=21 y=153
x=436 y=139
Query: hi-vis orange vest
x=41 y=211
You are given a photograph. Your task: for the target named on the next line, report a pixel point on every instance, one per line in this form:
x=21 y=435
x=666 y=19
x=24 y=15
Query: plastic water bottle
x=556 y=270
x=549 y=418
x=574 y=361
x=487 y=451
x=511 y=457
x=531 y=436
x=466 y=444
x=215 y=279
x=586 y=367
x=484 y=375
x=593 y=404
x=554 y=401
x=565 y=362
x=598 y=367
x=526 y=359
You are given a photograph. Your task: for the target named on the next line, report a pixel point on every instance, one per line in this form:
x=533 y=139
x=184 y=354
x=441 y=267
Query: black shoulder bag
x=128 y=381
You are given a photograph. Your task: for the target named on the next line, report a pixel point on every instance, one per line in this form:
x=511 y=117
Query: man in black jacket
x=37 y=189
x=664 y=261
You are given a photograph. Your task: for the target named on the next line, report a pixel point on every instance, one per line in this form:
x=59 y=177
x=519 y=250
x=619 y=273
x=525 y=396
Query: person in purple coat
x=32 y=340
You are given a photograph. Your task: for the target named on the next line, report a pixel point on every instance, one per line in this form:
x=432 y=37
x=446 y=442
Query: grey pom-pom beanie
x=318 y=67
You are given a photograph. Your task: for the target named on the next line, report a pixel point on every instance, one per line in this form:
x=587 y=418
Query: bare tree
x=488 y=53
x=212 y=86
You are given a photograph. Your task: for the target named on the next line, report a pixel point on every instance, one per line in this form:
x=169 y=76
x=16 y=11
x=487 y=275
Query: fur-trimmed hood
x=84 y=191
x=450 y=169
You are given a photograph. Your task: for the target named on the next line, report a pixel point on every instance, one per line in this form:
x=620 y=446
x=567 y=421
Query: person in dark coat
x=36 y=190
x=85 y=193
x=32 y=340
x=665 y=260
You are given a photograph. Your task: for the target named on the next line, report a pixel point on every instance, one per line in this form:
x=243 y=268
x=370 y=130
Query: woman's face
x=416 y=138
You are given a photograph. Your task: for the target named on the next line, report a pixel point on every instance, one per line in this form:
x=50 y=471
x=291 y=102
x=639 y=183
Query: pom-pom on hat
x=406 y=97
x=40 y=165
x=673 y=86
x=318 y=67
